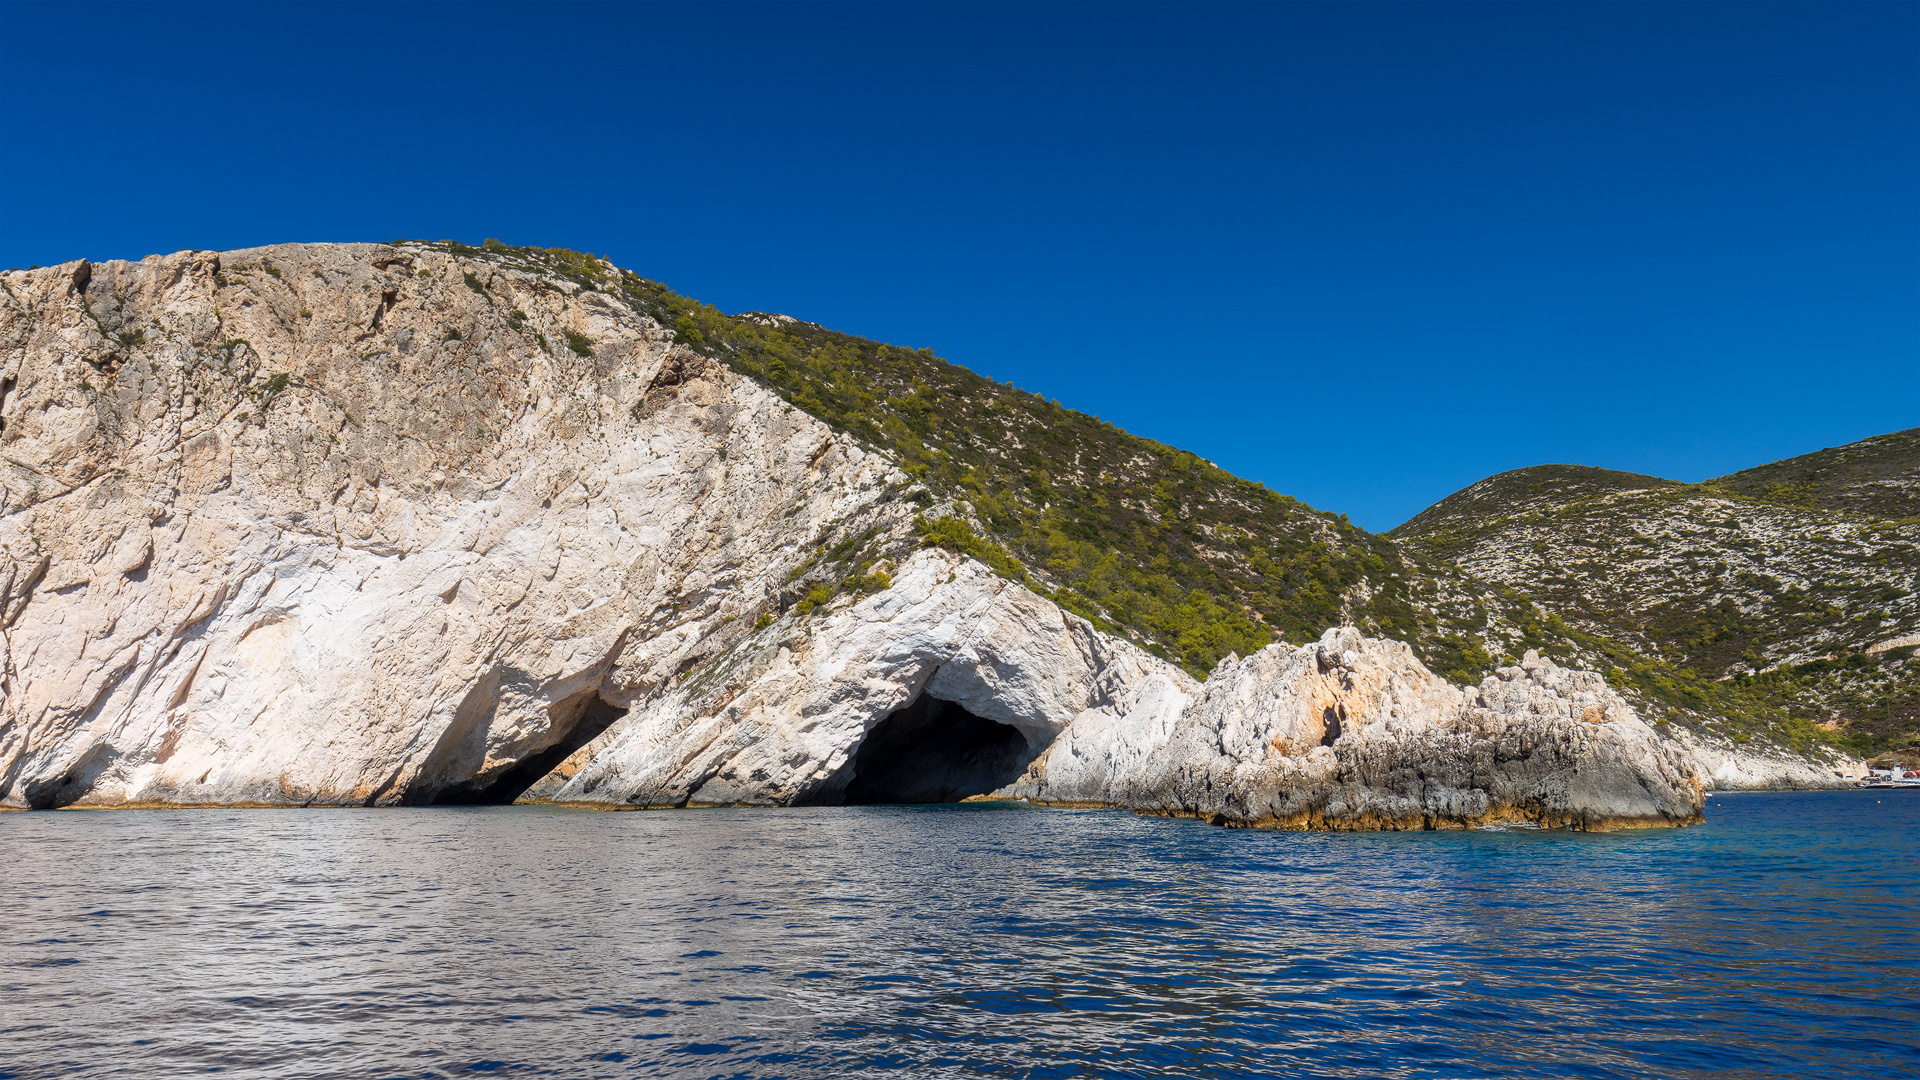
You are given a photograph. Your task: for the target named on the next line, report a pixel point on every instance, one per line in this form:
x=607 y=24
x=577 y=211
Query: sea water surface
x=1778 y=939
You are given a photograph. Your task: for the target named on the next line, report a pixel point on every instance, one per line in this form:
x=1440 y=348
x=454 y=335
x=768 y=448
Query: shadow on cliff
x=580 y=719
x=935 y=751
x=70 y=786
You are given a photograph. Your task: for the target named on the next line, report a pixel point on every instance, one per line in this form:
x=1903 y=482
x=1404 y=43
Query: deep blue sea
x=1778 y=939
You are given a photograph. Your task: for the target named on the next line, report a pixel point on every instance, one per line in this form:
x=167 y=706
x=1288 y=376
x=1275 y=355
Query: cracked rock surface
x=1354 y=733
x=274 y=534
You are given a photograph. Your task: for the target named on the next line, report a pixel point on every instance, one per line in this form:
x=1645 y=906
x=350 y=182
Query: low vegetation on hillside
x=1767 y=598
x=1878 y=477
x=1142 y=538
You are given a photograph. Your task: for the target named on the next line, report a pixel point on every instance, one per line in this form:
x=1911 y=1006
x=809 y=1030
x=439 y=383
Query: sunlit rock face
x=1723 y=766
x=371 y=525
x=328 y=524
x=781 y=718
x=1354 y=733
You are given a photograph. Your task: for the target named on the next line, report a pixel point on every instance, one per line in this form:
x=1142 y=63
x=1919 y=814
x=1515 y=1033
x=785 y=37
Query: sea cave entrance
x=935 y=751
x=581 y=718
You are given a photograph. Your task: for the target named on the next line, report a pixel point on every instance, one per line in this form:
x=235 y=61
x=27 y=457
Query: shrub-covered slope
x=1787 y=588
x=1879 y=477
x=1452 y=525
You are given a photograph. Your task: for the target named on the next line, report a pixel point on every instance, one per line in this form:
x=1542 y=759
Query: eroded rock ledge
x=1354 y=733
x=370 y=525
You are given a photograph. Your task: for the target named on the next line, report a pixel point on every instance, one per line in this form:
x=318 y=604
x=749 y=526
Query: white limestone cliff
x=778 y=719
x=299 y=543
x=1725 y=766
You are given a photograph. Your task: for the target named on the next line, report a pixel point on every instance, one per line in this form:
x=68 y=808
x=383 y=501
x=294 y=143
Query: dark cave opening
x=935 y=751
x=594 y=717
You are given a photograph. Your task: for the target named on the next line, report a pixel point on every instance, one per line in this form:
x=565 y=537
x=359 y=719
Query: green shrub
x=955 y=534
x=1141 y=538
x=578 y=342
x=820 y=594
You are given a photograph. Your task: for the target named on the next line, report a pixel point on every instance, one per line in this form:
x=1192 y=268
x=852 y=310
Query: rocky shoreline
x=1725 y=767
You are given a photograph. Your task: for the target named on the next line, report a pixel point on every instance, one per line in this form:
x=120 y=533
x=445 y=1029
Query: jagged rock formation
x=1354 y=733
x=378 y=524
x=779 y=719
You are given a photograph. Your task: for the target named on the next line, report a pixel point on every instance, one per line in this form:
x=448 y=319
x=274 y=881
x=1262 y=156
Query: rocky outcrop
x=360 y=524
x=1354 y=733
x=778 y=720
x=372 y=524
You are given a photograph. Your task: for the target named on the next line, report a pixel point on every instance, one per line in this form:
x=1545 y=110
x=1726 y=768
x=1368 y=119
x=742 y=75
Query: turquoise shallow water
x=1778 y=939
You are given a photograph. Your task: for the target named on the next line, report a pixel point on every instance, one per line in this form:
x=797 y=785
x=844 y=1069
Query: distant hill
x=1792 y=586
x=1472 y=513
x=1878 y=476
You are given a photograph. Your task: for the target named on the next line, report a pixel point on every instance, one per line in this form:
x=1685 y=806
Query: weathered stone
x=307 y=547
x=778 y=719
x=1354 y=733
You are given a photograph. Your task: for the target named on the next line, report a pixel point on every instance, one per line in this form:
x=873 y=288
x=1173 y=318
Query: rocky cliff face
x=779 y=719
x=346 y=524
x=1354 y=733
x=371 y=524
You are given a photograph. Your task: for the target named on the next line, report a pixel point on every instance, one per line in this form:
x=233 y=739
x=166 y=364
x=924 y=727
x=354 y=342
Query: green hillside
x=1879 y=477
x=1143 y=538
x=1779 y=588
x=1455 y=523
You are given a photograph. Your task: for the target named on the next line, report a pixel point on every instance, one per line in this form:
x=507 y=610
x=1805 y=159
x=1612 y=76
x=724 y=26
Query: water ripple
x=1777 y=940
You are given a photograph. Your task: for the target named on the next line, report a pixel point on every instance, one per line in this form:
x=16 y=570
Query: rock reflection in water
x=974 y=940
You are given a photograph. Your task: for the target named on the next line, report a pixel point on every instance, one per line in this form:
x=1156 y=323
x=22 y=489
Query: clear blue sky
x=1364 y=253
